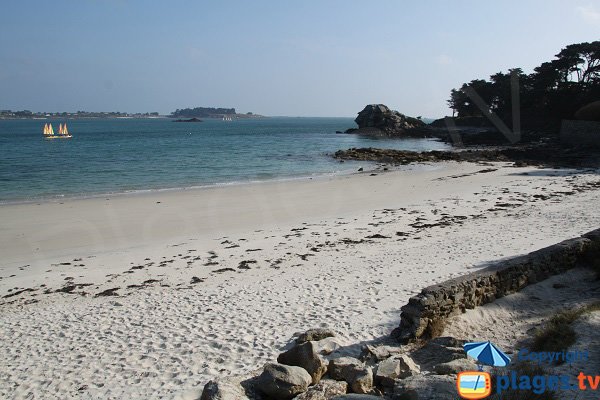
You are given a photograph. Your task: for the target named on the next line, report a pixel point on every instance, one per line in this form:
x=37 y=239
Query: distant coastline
x=198 y=112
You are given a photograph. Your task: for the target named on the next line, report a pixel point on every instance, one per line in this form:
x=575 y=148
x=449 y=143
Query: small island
x=188 y=120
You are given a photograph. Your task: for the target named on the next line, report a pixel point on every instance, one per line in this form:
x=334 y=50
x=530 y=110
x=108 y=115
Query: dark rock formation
x=378 y=119
x=549 y=155
x=188 y=120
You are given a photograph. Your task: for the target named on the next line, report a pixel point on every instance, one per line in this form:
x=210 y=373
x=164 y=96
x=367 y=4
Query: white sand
x=167 y=341
x=512 y=321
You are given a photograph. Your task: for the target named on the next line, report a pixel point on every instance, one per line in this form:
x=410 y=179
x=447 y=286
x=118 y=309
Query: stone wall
x=426 y=313
x=584 y=133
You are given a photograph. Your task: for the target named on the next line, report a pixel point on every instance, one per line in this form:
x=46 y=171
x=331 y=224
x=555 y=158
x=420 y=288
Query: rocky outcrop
x=426 y=313
x=283 y=381
x=305 y=355
x=378 y=119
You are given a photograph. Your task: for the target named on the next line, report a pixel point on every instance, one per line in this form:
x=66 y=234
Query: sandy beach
x=153 y=294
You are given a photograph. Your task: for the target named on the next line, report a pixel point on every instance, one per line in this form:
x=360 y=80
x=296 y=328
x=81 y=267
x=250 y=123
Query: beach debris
x=305 y=355
x=195 y=280
x=283 y=381
x=377 y=236
x=244 y=264
x=108 y=292
x=220 y=271
x=18 y=292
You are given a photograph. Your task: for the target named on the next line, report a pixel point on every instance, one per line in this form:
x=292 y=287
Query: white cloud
x=588 y=13
x=443 y=59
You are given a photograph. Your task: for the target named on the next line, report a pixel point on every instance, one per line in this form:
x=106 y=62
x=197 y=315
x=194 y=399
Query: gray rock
x=337 y=366
x=356 y=397
x=455 y=366
x=397 y=367
x=222 y=389
x=354 y=372
x=374 y=354
x=305 y=355
x=360 y=380
x=324 y=390
x=425 y=387
x=283 y=381
x=438 y=351
x=327 y=346
x=314 y=335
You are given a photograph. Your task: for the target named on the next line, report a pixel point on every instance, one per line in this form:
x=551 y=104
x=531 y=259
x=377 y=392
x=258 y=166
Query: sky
x=294 y=58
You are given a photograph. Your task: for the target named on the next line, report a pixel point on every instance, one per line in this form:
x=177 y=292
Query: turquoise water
x=120 y=155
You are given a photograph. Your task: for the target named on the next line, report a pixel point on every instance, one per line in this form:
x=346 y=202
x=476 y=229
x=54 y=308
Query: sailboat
x=63 y=132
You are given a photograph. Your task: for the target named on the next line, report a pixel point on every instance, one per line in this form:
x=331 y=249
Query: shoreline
x=174 y=289
x=135 y=192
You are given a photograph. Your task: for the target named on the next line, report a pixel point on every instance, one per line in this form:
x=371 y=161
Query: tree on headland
x=555 y=89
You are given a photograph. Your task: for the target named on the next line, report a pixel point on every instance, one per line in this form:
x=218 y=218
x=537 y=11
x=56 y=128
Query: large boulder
x=314 y=335
x=221 y=389
x=305 y=355
x=324 y=390
x=378 y=118
x=283 y=381
x=354 y=372
x=374 y=354
x=397 y=367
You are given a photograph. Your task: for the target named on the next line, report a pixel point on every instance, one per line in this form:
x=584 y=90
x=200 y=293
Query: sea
x=107 y=156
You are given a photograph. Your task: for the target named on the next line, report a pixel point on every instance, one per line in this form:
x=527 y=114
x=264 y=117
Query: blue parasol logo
x=486 y=353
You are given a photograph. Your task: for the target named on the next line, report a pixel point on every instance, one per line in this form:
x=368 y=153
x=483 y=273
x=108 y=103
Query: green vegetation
x=558 y=334
x=521 y=369
x=555 y=90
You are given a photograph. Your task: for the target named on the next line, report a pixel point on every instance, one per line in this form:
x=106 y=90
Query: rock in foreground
x=305 y=355
x=283 y=381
